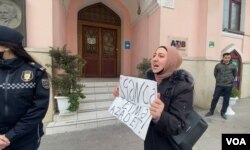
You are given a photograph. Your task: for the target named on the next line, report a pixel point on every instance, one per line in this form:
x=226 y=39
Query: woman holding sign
x=174 y=100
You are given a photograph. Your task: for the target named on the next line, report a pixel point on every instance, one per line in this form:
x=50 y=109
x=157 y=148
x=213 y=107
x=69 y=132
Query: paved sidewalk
x=120 y=137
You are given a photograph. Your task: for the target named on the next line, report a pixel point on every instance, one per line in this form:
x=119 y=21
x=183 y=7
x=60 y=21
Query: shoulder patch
x=37 y=66
x=45 y=83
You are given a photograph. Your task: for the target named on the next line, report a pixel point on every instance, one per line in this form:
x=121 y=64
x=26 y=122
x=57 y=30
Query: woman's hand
x=4 y=142
x=116 y=91
x=156 y=108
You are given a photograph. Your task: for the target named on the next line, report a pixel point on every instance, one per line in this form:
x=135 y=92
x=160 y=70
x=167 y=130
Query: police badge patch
x=27 y=75
x=45 y=83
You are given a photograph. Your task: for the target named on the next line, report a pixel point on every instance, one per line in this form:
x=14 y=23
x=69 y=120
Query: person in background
x=224 y=73
x=174 y=101
x=24 y=92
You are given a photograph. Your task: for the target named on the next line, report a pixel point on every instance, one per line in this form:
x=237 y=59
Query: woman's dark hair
x=18 y=51
x=164 y=47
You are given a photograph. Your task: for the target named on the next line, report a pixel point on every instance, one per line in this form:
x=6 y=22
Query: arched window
x=99 y=13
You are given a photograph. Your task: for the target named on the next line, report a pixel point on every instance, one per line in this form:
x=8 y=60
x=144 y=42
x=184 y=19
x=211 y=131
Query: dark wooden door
x=108 y=52
x=100 y=51
x=91 y=51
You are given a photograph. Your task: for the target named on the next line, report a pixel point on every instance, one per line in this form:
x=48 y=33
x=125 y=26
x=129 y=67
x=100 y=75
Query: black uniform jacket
x=177 y=94
x=24 y=98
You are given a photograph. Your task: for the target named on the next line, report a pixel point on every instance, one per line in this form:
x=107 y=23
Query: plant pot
x=63 y=104
x=232 y=101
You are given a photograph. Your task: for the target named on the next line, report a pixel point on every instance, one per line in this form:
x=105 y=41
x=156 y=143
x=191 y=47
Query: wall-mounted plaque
x=12 y=14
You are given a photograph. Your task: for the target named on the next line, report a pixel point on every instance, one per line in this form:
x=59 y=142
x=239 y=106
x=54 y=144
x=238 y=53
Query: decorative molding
x=230 y=48
x=152 y=8
x=232 y=35
x=147 y=6
x=100 y=13
x=146 y=9
x=37 y=50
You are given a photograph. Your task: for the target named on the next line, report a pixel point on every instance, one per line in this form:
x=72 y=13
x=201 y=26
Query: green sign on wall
x=211 y=44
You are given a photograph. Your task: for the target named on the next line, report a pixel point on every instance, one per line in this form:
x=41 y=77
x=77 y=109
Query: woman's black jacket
x=177 y=94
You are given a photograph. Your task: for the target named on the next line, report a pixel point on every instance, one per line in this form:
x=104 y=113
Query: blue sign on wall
x=127 y=45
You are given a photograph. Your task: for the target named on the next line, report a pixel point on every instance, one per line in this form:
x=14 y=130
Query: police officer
x=24 y=92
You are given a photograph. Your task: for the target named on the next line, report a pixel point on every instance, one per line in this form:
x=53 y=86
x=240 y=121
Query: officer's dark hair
x=225 y=54
x=18 y=51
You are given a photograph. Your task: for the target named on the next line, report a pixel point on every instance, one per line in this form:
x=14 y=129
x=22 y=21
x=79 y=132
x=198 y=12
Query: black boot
x=209 y=114
x=224 y=116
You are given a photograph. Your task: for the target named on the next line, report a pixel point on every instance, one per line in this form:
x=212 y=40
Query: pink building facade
x=115 y=35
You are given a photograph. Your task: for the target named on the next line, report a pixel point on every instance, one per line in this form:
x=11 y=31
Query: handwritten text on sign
x=132 y=105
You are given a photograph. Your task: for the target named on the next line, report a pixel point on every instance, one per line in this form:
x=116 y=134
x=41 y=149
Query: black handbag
x=194 y=125
x=194 y=128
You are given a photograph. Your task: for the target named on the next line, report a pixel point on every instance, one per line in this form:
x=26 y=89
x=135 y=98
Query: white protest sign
x=132 y=105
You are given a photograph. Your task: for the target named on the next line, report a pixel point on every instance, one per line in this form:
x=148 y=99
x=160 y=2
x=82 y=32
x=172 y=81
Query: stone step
x=87 y=114
x=68 y=126
x=92 y=90
x=80 y=120
x=92 y=112
x=100 y=84
x=95 y=104
x=97 y=97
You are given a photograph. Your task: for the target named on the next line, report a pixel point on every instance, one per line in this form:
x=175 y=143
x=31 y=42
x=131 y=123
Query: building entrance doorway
x=236 y=60
x=99 y=41
x=99 y=50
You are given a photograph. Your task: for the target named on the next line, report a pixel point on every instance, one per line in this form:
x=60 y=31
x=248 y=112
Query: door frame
x=80 y=23
x=235 y=55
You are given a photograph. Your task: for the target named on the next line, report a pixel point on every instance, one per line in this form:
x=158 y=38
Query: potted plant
x=66 y=78
x=143 y=67
x=232 y=101
x=235 y=93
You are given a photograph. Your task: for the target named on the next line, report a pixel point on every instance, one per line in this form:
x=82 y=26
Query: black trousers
x=225 y=92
